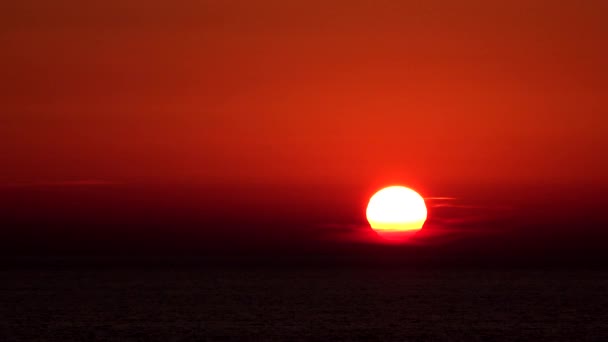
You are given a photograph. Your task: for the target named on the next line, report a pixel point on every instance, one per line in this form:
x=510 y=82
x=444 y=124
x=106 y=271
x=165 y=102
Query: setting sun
x=396 y=211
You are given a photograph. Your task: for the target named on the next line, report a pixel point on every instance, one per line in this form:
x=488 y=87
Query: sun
x=396 y=212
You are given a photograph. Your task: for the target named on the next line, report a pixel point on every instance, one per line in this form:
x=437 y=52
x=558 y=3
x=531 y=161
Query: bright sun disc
x=395 y=211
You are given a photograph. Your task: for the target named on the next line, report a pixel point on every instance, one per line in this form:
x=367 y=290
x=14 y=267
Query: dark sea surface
x=337 y=304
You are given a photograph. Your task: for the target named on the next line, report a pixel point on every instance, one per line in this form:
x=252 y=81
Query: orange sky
x=304 y=91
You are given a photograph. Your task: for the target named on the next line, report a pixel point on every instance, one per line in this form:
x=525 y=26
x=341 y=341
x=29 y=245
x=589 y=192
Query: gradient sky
x=265 y=126
x=304 y=92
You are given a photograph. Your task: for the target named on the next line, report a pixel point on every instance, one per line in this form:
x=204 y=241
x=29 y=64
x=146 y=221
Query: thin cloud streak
x=441 y=198
x=447 y=221
x=67 y=183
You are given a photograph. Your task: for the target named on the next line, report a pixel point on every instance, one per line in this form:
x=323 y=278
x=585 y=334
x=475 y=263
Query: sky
x=334 y=97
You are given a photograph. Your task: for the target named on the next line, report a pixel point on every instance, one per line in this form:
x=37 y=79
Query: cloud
x=347 y=232
x=461 y=206
x=443 y=198
x=65 y=183
x=449 y=219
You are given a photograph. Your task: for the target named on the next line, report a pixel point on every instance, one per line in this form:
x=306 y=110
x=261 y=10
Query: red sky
x=304 y=92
